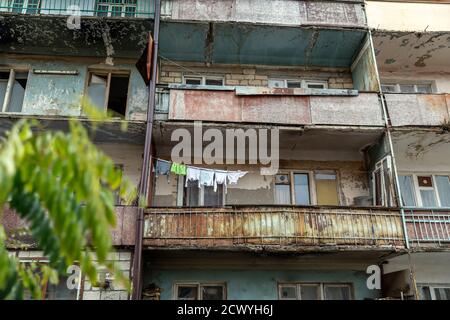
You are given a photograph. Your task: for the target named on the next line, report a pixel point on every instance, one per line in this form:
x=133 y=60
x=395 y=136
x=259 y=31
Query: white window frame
x=432 y=287
x=416 y=188
x=379 y=167
x=25 y=6
x=199 y=286
x=110 y=5
x=10 y=86
x=201 y=194
x=303 y=82
x=321 y=286
x=203 y=79
x=397 y=88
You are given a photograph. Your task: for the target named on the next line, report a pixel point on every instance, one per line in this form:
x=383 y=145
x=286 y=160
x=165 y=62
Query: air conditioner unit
x=282 y=179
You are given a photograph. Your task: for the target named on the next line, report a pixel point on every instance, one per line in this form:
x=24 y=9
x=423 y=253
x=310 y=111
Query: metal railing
x=428 y=226
x=100 y=8
x=265 y=225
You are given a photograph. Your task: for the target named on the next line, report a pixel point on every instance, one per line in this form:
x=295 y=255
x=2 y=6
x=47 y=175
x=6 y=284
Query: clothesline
x=199 y=168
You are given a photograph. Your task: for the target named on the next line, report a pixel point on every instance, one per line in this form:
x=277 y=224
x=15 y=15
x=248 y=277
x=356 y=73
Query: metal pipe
x=391 y=145
x=143 y=189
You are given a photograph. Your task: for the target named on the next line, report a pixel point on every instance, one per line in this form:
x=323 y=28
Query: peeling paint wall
x=49 y=94
x=255 y=189
x=364 y=70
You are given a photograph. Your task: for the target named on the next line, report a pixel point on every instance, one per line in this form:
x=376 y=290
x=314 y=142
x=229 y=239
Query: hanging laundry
x=179 y=169
x=207 y=178
x=162 y=168
x=192 y=174
x=234 y=176
x=220 y=178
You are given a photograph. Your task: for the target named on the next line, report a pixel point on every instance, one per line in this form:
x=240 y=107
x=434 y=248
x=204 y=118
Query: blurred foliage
x=63 y=187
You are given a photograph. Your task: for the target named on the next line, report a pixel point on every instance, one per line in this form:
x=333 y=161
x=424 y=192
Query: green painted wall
x=257 y=284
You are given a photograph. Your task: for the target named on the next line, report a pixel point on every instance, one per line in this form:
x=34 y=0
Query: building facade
x=354 y=91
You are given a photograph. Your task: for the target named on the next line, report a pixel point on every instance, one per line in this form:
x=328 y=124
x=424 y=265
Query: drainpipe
x=143 y=189
x=391 y=145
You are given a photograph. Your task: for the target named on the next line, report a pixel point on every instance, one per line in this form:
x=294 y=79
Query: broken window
x=326 y=188
x=315 y=291
x=116 y=8
x=200 y=291
x=109 y=92
x=12 y=90
x=196 y=196
x=203 y=80
x=25 y=6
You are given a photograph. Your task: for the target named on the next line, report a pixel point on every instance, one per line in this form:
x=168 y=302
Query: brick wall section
x=254 y=75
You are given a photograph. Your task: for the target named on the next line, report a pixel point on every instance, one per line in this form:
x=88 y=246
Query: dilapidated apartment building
x=356 y=90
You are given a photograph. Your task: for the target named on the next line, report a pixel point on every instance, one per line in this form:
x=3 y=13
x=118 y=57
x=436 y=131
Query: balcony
x=277 y=228
x=265 y=105
x=428 y=228
x=418 y=109
x=122 y=235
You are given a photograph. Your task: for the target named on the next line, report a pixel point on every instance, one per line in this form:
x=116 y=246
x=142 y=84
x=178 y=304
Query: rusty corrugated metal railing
x=428 y=227
x=273 y=225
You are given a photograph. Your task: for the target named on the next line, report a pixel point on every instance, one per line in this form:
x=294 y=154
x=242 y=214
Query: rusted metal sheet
x=122 y=235
x=428 y=228
x=227 y=106
x=272 y=226
x=417 y=109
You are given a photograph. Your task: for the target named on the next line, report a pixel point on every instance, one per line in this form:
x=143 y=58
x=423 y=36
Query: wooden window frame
x=203 y=79
x=199 y=286
x=321 y=286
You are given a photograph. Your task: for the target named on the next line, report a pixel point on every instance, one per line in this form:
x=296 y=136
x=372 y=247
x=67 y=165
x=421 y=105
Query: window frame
x=201 y=194
x=431 y=287
x=110 y=5
x=10 y=86
x=199 y=286
x=109 y=73
x=321 y=286
x=416 y=188
x=25 y=7
x=303 y=83
x=397 y=87
x=380 y=168
x=203 y=79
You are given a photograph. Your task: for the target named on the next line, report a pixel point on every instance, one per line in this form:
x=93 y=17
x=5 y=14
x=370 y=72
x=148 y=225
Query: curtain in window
x=428 y=198
x=283 y=194
x=406 y=188
x=443 y=185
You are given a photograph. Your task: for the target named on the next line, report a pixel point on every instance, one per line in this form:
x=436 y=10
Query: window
x=12 y=90
x=425 y=190
x=434 y=292
x=203 y=80
x=25 y=6
x=203 y=196
x=406 y=88
x=200 y=291
x=116 y=8
x=315 y=291
x=109 y=91
x=326 y=188
x=382 y=183
x=292 y=83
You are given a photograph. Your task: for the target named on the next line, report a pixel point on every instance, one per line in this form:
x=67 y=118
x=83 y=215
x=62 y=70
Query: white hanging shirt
x=192 y=174
x=221 y=178
x=234 y=176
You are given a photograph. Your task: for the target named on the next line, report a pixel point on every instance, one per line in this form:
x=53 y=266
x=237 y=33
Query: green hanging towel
x=179 y=169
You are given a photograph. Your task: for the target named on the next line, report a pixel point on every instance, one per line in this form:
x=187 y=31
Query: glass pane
x=326 y=188
x=211 y=198
x=102 y=10
x=337 y=292
x=301 y=188
x=18 y=92
x=407 y=88
x=294 y=84
x=97 y=90
x=424 y=88
x=17 y=6
x=192 y=194
x=116 y=11
x=428 y=198
x=315 y=86
x=388 y=88
x=214 y=82
x=425 y=293
x=442 y=293
x=194 y=81
x=443 y=186
x=309 y=292
x=288 y=292
x=273 y=83
x=187 y=292
x=130 y=11
x=212 y=293
x=406 y=188
x=282 y=194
